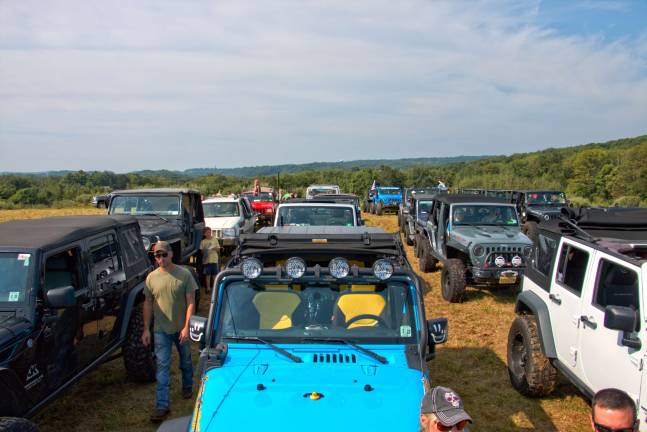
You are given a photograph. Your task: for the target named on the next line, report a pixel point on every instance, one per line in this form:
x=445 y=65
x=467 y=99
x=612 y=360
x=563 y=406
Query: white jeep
x=582 y=307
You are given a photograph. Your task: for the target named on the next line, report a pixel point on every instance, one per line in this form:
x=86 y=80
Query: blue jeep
x=317 y=329
x=383 y=199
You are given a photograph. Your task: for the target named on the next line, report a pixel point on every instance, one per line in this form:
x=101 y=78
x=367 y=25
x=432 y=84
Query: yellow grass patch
x=6 y=215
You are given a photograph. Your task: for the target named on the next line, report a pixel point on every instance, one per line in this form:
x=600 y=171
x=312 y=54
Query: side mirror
x=197 y=327
x=59 y=298
x=624 y=319
x=437 y=330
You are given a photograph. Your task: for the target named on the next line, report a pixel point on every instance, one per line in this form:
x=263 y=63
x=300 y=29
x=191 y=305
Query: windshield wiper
x=269 y=344
x=155 y=214
x=368 y=352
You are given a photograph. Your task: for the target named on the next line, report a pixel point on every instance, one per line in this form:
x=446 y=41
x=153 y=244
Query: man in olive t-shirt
x=170 y=296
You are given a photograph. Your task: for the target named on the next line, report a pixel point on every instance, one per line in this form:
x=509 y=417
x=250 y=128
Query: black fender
x=529 y=302
x=135 y=295
x=14 y=398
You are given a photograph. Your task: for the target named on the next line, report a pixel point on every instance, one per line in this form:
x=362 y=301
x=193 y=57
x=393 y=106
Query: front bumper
x=497 y=276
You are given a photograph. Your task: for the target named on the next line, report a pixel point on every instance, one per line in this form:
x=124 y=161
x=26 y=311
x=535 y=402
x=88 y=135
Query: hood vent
x=333 y=358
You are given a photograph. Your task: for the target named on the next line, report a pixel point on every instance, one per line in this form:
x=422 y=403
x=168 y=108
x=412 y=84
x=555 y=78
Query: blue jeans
x=163 y=344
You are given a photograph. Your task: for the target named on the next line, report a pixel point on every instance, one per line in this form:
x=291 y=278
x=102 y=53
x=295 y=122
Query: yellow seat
x=276 y=308
x=360 y=303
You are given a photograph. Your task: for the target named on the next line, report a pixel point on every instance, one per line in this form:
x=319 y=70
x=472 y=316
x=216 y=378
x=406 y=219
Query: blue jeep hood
x=259 y=388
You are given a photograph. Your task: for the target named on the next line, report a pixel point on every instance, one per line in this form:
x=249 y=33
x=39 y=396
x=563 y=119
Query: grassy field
x=473 y=362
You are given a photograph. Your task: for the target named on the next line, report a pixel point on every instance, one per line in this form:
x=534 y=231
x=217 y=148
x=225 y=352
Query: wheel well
x=13 y=399
x=458 y=254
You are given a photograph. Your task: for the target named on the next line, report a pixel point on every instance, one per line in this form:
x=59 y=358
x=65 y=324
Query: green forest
x=610 y=173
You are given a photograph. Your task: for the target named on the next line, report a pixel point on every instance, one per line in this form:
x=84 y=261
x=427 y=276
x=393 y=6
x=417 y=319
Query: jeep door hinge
x=573 y=357
x=639 y=363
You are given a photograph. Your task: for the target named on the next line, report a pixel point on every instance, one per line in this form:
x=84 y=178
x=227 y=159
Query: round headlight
x=499 y=261
x=339 y=267
x=517 y=261
x=252 y=268
x=382 y=269
x=295 y=267
x=527 y=251
x=478 y=250
x=147 y=243
x=546 y=217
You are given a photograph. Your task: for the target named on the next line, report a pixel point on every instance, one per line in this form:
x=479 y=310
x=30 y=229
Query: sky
x=164 y=84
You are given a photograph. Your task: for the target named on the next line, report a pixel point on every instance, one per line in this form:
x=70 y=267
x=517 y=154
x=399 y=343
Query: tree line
x=611 y=173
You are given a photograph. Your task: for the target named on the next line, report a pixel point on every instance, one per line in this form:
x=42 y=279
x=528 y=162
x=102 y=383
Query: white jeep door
x=565 y=303
x=606 y=361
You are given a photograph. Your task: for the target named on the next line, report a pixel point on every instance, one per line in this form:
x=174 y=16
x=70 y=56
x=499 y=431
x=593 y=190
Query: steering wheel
x=379 y=319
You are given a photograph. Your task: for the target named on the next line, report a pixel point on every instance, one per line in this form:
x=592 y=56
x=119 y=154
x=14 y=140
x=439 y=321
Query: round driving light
x=147 y=243
x=516 y=261
x=252 y=268
x=339 y=267
x=295 y=267
x=478 y=250
x=499 y=261
x=383 y=269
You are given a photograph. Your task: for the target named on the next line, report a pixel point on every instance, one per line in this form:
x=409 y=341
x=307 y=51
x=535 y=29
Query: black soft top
x=52 y=232
x=326 y=198
x=161 y=191
x=469 y=199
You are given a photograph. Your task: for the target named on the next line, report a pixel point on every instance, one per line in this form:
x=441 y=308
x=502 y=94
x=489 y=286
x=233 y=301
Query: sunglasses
x=600 y=428
x=161 y=254
x=459 y=426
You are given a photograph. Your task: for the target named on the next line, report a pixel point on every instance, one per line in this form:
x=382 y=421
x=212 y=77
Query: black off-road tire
x=427 y=262
x=378 y=209
x=17 y=424
x=371 y=207
x=531 y=372
x=407 y=237
x=139 y=360
x=453 y=280
x=531 y=230
x=416 y=246
x=402 y=222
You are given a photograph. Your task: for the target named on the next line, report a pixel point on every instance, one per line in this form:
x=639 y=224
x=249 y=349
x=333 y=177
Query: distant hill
x=266 y=170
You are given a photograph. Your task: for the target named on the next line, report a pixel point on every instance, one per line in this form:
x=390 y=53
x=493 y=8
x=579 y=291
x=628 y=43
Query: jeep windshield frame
x=16 y=270
x=389 y=191
x=260 y=197
x=316 y=215
x=145 y=205
x=484 y=215
x=316 y=303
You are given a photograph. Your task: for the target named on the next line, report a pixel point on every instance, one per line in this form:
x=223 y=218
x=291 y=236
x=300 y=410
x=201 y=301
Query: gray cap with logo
x=446 y=405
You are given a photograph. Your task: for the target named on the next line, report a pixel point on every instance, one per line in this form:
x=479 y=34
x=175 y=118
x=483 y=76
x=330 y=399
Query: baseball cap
x=445 y=404
x=162 y=246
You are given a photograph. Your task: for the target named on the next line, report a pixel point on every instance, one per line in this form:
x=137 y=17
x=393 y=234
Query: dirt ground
x=473 y=362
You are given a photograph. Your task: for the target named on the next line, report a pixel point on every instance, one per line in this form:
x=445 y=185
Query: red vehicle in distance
x=264 y=203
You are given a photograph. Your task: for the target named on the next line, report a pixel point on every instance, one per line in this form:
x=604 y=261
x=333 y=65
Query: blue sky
x=169 y=84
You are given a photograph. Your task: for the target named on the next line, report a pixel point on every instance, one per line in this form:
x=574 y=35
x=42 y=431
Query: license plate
x=503 y=279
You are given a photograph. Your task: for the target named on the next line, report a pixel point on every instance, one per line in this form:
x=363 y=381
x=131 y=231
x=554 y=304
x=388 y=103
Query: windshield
x=287 y=313
x=425 y=191
x=545 y=198
x=263 y=197
x=14 y=268
x=389 y=191
x=484 y=215
x=168 y=205
x=220 y=209
x=424 y=207
x=315 y=216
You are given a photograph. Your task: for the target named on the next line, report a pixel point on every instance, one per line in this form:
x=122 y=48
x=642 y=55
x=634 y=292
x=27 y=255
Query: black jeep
x=535 y=206
x=416 y=218
x=173 y=215
x=71 y=290
x=405 y=205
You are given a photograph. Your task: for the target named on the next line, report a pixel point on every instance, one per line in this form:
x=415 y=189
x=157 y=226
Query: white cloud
x=241 y=83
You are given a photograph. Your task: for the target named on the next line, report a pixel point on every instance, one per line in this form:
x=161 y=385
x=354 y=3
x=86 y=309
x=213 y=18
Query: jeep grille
x=333 y=358
x=507 y=252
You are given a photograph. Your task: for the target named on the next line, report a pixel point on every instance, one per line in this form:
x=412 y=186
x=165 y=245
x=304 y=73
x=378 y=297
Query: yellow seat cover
x=276 y=308
x=352 y=305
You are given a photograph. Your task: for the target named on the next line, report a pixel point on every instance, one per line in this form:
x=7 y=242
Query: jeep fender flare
x=529 y=302
x=129 y=304
x=13 y=390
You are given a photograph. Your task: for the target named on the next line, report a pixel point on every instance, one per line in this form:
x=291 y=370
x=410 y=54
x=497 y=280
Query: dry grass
x=473 y=362
x=6 y=215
